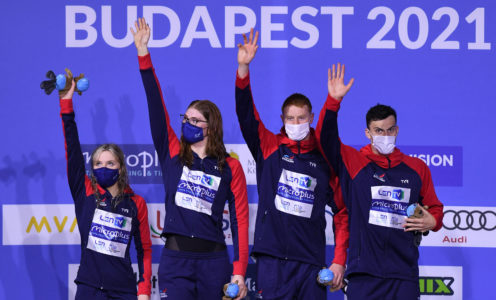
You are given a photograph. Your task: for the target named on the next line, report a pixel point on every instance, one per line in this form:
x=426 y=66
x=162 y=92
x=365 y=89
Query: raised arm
x=164 y=138
x=327 y=126
x=260 y=141
x=76 y=174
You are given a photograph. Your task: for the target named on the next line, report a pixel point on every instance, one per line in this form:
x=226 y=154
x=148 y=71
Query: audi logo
x=465 y=220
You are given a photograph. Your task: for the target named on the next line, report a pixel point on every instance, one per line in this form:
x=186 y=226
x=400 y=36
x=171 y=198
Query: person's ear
x=368 y=135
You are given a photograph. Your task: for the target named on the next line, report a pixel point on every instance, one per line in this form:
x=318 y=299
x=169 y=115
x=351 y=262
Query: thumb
x=352 y=80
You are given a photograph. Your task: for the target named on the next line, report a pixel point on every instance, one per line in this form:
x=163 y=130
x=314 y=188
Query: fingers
x=337 y=72
x=256 y=38
x=348 y=86
x=251 y=36
x=135 y=26
x=243 y=290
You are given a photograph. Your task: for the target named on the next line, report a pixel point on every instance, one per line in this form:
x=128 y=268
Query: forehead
x=293 y=110
x=106 y=156
x=194 y=113
x=384 y=123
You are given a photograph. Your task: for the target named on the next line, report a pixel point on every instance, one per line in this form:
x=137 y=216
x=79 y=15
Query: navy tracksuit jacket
x=195 y=196
x=377 y=189
x=106 y=231
x=294 y=186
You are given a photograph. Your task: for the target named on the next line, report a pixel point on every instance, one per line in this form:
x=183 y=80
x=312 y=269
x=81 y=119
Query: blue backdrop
x=431 y=60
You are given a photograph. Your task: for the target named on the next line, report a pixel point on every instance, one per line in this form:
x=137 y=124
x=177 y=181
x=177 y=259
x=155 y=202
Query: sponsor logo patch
x=295 y=193
x=110 y=233
x=196 y=190
x=388 y=206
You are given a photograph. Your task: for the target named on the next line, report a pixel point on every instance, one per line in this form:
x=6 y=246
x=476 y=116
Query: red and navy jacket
x=376 y=190
x=294 y=186
x=106 y=229
x=195 y=196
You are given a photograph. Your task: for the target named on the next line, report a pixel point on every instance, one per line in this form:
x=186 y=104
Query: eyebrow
x=375 y=128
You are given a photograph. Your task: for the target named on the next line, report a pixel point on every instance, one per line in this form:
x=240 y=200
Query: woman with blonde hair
x=109 y=216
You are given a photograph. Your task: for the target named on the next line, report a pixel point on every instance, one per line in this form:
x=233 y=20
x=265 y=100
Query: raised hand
x=67 y=94
x=141 y=36
x=335 y=84
x=246 y=52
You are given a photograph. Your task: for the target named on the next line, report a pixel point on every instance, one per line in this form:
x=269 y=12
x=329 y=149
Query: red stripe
x=66 y=106
x=238 y=188
x=145 y=62
x=340 y=219
x=269 y=142
x=144 y=287
x=427 y=190
x=242 y=83
x=173 y=141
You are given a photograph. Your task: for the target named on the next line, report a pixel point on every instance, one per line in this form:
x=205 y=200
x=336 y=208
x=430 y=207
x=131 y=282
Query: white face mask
x=384 y=144
x=297 y=132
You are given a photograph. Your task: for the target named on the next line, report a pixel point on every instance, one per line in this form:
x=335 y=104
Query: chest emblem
x=381 y=177
x=109 y=233
x=196 y=190
x=289 y=159
x=295 y=193
x=388 y=206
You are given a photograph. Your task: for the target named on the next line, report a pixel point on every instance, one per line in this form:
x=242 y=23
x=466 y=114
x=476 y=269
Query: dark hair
x=379 y=112
x=296 y=99
x=123 y=180
x=215 y=144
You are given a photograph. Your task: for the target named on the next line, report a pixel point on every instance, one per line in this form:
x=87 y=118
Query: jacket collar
x=298 y=146
x=383 y=161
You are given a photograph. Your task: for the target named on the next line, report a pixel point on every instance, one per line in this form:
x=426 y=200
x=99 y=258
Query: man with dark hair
x=379 y=112
x=294 y=186
x=378 y=183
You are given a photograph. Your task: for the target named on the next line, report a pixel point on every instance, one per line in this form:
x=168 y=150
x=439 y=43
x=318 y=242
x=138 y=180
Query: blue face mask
x=192 y=133
x=106 y=177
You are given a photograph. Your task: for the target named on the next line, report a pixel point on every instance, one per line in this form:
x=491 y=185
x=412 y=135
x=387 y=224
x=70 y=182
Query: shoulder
x=416 y=164
x=233 y=164
x=138 y=199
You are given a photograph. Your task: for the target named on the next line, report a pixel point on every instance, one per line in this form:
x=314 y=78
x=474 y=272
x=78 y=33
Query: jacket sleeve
x=164 y=138
x=427 y=193
x=345 y=160
x=239 y=215
x=79 y=183
x=260 y=140
x=143 y=246
x=345 y=163
x=339 y=224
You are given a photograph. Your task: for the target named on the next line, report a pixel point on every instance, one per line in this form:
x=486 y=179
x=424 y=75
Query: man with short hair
x=378 y=183
x=294 y=186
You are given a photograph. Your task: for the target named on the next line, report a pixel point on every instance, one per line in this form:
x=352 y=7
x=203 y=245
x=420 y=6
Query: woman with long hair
x=109 y=216
x=199 y=178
